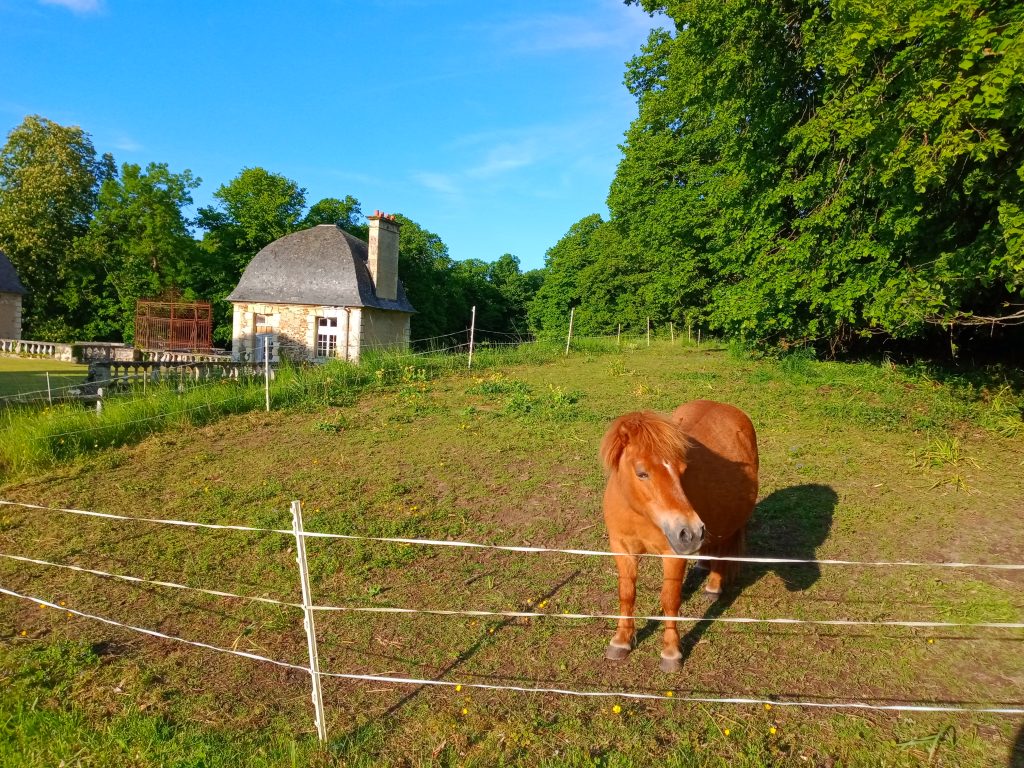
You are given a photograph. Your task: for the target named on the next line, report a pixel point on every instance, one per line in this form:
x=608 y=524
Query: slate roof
x=9 y=282
x=322 y=265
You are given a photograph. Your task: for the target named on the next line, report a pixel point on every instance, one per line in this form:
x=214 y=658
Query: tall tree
x=49 y=176
x=811 y=172
x=254 y=209
x=347 y=214
x=138 y=245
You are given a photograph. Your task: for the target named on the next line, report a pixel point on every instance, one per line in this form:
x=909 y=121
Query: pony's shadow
x=790 y=523
x=1017 y=749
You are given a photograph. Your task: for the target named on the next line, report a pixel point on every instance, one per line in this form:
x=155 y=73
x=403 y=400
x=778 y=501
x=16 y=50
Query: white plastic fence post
x=307 y=607
x=49 y=394
x=568 y=339
x=698 y=338
x=672 y=331
x=618 y=337
x=472 y=331
x=266 y=369
x=648 y=331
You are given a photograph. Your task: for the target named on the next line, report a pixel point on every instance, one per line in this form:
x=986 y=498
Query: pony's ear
x=614 y=443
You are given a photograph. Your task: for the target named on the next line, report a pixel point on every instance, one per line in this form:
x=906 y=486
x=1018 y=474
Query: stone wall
x=380 y=328
x=10 y=315
x=294 y=327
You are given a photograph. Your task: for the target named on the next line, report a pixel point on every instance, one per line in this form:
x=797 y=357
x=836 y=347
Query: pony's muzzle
x=684 y=538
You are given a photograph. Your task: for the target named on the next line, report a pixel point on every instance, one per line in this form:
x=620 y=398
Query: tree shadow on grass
x=790 y=523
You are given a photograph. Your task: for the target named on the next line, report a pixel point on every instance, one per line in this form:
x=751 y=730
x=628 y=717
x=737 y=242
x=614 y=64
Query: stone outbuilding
x=322 y=293
x=11 y=291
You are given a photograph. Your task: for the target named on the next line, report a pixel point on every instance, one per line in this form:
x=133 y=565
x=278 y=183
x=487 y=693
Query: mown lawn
x=859 y=462
x=28 y=375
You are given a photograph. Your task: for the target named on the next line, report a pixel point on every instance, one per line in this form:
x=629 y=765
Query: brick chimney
x=382 y=255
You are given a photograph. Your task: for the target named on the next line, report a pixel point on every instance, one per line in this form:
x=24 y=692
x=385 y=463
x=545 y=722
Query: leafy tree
x=49 y=175
x=347 y=214
x=588 y=271
x=810 y=172
x=255 y=209
x=138 y=245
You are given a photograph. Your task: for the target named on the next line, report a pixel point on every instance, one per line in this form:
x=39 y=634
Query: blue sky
x=494 y=124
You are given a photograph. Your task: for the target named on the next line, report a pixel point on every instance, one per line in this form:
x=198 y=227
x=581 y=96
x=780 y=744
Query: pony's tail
x=731 y=546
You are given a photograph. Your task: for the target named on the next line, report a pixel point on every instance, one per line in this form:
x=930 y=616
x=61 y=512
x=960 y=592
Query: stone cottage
x=11 y=291
x=322 y=293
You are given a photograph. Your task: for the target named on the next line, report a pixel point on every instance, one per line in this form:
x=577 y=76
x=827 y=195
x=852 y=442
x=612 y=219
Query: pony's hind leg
x=724 y=572
x=671 y=597
x=622 y=641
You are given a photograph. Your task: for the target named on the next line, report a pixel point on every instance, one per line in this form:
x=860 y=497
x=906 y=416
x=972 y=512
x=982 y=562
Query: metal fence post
x=307 y=607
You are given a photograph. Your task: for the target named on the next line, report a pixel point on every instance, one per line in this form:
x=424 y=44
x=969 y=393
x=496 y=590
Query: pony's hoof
x=616 y=652
x=670 y=664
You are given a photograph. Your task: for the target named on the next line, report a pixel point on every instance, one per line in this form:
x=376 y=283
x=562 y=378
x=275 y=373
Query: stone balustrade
x=167 y=356
x=102 y=373
x=30 y=348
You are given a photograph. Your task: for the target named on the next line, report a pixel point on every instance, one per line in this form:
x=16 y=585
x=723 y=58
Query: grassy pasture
x=859 y=462
x=28 y=374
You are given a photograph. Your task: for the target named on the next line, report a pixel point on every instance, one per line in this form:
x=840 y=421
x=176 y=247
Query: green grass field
x=28 y=374
x=859 y=461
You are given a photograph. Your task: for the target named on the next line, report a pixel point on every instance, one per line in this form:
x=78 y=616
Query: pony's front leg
x=622 y=641
x=671 y=597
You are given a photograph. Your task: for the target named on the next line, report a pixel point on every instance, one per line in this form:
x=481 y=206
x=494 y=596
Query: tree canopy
x=815 y=172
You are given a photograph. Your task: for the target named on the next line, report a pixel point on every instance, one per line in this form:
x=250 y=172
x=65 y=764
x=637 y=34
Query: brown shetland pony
x=683 y=486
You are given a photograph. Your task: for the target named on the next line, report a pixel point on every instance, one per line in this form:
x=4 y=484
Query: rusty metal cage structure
x=182 y=326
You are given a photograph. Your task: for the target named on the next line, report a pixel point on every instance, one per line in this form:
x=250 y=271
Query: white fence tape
x=525 y=549
x=1015 y=710
x=532 y=614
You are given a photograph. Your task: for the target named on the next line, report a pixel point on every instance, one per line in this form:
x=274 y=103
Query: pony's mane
x=650 y=432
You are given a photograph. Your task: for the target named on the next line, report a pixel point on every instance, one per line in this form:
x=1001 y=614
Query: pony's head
x=645 y=454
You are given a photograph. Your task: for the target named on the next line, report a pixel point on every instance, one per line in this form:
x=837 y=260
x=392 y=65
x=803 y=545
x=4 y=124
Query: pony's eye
x=642 y=474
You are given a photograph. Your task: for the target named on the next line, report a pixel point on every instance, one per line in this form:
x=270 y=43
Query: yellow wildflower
x=767 y=706
x=458 y=687
x=727 y=731
x=670 y=694
x=772 y=730
x=616 y=709
x=23 y=633
x=465 y=711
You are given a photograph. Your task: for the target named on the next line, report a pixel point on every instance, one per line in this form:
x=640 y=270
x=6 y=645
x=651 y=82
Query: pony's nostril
x=685 y=535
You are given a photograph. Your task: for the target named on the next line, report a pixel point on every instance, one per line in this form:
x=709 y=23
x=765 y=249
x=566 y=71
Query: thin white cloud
x=444 y=183
x=607 y=25
x=126 y=144
x=78 y=6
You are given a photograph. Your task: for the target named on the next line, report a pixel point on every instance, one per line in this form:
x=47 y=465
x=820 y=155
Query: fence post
x=99 y=400
x=618 y=337
x=648 y=331
x=689 y=336
x=266 y=369
x=672 y=330
x=49 y=393
x=472 y=332
x=568 y=339
x=307 y=607
x=698 y=338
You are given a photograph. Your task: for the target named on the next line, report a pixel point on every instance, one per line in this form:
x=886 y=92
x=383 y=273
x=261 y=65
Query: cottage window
x=326 y=336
